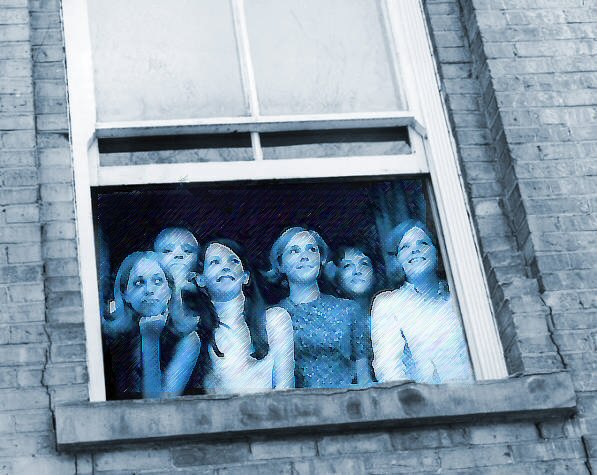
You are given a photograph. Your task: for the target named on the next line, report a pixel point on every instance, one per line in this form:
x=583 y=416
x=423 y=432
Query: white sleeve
x=281 y=346
x=388 y=344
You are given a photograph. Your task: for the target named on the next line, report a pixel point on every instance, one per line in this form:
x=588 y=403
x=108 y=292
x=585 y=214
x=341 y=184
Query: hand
x=182 y=281
x=152 y=326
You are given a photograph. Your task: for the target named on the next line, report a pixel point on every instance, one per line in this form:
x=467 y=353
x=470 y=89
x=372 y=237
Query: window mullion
x=246 y=62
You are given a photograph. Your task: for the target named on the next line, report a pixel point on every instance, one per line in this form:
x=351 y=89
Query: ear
x=246 y=277
x=201 y=281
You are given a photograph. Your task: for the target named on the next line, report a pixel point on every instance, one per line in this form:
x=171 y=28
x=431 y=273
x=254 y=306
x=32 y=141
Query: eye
x=236 y=260
x=313 y=248
x=293 y=251
x=188 y=251
x=139 y=282
x=166 y=251
x=366 y=263
x=158 y=281
x=346 y=266
x=425 y=243
x=214 y=262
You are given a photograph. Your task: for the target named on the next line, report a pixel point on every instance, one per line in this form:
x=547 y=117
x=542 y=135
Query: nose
x=226 y=269
x=149 y=288
x=416 y=250
x=304 y=258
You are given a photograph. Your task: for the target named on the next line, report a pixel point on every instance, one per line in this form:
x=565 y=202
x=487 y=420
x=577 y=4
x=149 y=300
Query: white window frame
x=433 y=153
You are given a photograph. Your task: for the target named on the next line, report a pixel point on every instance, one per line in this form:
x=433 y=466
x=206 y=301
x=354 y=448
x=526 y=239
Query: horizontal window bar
x=411 y=164
x=258 y=124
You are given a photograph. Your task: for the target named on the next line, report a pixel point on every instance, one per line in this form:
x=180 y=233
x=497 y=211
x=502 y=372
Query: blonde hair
x=275 y=256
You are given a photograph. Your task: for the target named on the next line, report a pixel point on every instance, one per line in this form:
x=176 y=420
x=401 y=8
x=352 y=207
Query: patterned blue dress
x=326 y=341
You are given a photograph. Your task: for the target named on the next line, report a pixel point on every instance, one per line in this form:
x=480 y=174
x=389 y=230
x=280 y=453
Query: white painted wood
x=246 y=61
x=454 y=216
x=256 y=146
x=82 y=129
x=258 y=124
x=263 y=170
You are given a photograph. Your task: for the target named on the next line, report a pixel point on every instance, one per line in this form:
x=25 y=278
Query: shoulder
x=276 y=314
x=332 y=300
x=387 y=297
x=283 y=304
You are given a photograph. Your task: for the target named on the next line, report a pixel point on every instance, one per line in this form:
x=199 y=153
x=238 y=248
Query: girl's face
x=301 y=260
x=416 y=254
x=355 y=273
x=147 y=289
x=223 y=273
x=178 y=252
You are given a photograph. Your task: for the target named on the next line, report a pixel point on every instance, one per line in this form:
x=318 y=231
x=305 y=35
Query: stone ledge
x=83 y=425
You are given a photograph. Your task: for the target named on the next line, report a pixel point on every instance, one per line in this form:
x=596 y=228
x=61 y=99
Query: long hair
x=274 y=274
x=124 y=311
x=254 y=307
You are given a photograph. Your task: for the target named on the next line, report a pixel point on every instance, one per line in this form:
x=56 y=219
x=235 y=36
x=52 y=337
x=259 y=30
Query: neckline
x=230 y=311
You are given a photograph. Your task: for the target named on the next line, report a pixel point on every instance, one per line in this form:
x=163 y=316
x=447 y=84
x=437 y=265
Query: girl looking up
x=252 y=350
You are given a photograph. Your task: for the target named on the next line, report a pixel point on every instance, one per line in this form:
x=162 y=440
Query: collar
x=442 y=289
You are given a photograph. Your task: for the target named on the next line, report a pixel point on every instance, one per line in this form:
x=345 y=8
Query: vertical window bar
x=247 y=71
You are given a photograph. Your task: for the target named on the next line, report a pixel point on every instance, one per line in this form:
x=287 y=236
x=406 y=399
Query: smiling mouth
x=222 y=277
x=307 y=266
x=150 y=301
x=416 y=259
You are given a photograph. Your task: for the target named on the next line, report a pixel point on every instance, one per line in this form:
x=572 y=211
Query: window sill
x=85 y=425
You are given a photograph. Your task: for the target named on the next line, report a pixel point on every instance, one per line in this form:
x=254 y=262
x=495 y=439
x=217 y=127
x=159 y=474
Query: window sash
x=433 y=147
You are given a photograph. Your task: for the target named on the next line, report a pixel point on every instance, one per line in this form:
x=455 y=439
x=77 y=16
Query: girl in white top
x=415 y=332
x=251 y=350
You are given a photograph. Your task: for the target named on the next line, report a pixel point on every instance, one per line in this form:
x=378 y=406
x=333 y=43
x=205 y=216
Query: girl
x=251 y=349
x=353 y=276
x=418 y=320
x=144 y=295
x=327 y=341
x=178 y=251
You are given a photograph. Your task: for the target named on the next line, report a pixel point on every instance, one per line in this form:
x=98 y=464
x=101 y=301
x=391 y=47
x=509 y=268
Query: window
x=262 y=101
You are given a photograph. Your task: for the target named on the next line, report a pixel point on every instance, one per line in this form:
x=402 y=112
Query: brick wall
x=518 y=78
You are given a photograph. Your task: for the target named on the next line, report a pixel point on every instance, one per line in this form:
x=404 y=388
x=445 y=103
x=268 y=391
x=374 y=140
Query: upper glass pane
x=165 y=60
x=317 y=56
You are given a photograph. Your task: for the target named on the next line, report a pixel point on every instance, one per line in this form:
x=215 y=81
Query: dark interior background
x=343 y=211
x=253 y=214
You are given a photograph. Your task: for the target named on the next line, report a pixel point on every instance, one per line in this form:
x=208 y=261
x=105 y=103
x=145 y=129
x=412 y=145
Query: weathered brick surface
x=519 y=79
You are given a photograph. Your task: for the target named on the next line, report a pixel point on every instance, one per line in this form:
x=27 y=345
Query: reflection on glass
x=175 y=149
x=318 y=56
x=143 y=71
x=335 y=143
x=357 y=294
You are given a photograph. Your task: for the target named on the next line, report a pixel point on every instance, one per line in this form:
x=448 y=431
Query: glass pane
x=175 y=149
x=335 y=143
x=165 y=60
x=382 y=295
x=317 y=56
